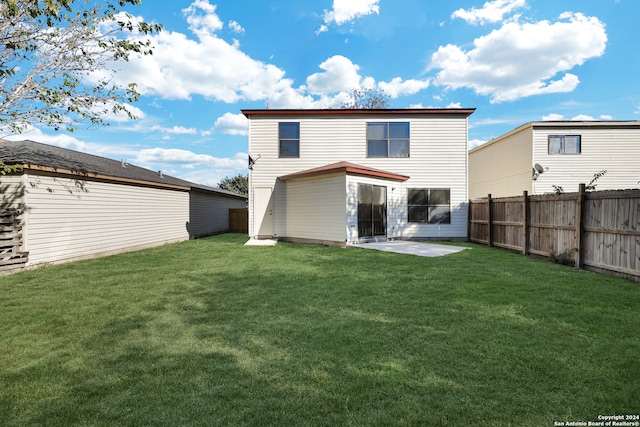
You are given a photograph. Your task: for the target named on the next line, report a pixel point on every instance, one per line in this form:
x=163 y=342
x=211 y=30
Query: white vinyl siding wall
x=209 y=212
x=616 y=150
x=502 y=168
x=69 y=219
x=438 y=159
x=316 y=208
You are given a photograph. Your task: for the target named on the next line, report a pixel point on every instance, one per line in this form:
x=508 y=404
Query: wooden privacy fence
x=239 y=220
x=11 y=256
x=598 y=230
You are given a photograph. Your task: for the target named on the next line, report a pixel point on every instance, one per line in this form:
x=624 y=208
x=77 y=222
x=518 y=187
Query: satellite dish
x=538 y=168
x=252 y=161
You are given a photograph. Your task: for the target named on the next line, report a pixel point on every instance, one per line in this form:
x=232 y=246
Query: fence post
x=469 y=213
x=525 y=223
x=579 y=225
x=490 y=217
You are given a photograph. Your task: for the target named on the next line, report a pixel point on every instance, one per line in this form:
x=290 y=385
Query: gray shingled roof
x=35 y=153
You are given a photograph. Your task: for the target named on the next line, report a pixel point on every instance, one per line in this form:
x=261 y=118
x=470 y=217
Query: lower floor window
x=429 y=205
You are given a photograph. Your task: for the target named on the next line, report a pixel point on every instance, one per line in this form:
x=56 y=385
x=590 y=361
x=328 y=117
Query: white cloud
x=347 y=10
x=397 y=87
x=202 y=18
x=583 y=118
x=175 y=130
x=491 y=11
x=579 y=117
x=65 y=140
x=235 y=27
x=553 y=117
x=203 y=64
x=106 y=112
x=212 y=177
x=232 y=124
x=340 y=74
x=473 y=143
x=208 y=65
x=176 y=155
x=519 y=60
x=322 y=29
x=121 y=116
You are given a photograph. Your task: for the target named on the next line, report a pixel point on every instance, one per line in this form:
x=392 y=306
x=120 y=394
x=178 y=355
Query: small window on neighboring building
x=388 y=139
x=289 y=139
x=564 y=144
x=429 y=205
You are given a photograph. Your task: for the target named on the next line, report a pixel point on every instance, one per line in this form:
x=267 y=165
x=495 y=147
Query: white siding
x=316 y=208
x=438 y=159
x=502 y=168
x=614 y=149
x=209 y=212
x=69 y=219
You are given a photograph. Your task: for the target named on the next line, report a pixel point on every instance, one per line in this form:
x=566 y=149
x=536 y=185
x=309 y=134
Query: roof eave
x=346 y=169
x=466 y=112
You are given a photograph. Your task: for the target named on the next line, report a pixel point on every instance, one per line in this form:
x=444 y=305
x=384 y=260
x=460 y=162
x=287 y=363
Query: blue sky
x=515 y=61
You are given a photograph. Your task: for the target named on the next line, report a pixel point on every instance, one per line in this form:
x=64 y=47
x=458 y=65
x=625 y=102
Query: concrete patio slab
x=412 y=248
x=261 y=242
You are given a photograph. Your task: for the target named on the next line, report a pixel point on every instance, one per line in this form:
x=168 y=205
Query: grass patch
x=210 y=332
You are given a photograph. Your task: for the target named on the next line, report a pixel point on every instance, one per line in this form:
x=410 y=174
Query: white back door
x=263 y=212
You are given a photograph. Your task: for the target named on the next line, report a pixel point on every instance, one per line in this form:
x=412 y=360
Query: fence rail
x=597 y=231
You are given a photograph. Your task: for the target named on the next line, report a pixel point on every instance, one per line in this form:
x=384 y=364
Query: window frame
x=286 y=139
x=388 y=141
x=426 y=210
x=562 y=149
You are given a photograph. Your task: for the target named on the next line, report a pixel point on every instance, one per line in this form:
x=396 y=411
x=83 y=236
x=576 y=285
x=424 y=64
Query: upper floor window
x=564 y=144
x=388 y=139
x=429 y=205
x=289 y=139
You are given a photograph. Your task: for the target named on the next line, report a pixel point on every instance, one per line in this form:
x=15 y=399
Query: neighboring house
x=343 y=176
x=78 y=205
x=540 y=155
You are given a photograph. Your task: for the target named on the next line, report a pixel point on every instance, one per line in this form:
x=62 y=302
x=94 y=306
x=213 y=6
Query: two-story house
x=540 y=156
x=343 y=176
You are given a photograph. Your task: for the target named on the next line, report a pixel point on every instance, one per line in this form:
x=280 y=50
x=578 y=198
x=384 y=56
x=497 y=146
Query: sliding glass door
x=372 y=211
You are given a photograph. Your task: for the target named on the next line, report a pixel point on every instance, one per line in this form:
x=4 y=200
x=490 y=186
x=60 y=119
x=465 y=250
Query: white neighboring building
x=538 y=155
x=343 y=176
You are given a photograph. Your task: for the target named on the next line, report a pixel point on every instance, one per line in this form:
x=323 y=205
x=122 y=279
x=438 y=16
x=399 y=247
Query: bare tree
x=367 y=98
x=48 y=48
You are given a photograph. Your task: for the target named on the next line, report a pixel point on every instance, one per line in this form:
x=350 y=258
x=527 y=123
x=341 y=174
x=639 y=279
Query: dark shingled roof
x=43 y=155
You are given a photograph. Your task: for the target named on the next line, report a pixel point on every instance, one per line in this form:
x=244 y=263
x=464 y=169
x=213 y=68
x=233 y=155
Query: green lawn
x=210 y=332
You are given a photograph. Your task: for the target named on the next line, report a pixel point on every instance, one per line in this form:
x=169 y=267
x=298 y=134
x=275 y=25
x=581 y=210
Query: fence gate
x=239 y=220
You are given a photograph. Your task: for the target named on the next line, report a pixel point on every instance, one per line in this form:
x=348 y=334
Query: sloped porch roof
x=347 y=168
